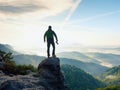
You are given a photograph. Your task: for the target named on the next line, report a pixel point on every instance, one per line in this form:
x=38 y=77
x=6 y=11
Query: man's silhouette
x=50 y=34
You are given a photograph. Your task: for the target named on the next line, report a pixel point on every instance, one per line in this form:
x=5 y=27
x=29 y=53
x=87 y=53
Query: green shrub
x=21 y=69
x=10 y=67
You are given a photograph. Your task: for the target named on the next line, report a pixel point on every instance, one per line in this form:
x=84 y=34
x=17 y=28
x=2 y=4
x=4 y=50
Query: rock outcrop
x=48 y=77
x=20 y=82
x=50 y=74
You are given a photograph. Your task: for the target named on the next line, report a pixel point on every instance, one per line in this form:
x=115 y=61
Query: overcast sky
x=77 y=23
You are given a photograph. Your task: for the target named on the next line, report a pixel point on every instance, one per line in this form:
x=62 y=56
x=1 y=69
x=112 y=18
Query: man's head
x=50 y=27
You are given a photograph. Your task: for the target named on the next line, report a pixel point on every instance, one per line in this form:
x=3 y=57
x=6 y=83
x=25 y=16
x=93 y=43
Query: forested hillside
x=77 y=79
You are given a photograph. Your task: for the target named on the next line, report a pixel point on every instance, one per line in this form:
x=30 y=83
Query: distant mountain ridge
x=105 y=59
x=111 y=76
x=113 y=71
x=77 y=55
x=92 y=68
x=8 y=48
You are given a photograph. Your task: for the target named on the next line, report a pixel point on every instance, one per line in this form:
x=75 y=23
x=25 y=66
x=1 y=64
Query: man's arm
x=44 y=36
x=55 y=37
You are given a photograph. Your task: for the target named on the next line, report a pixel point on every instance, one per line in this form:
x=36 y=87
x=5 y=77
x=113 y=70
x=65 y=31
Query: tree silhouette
x=4 y=57
x=7 y=65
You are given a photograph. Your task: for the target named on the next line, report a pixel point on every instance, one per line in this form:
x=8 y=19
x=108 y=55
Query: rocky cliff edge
x=48 y=77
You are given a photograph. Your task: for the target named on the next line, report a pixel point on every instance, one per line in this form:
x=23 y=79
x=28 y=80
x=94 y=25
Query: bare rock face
x=1 y=65
x=12 y=85
x=50 y=74
x=20 y=82
x=49 y=77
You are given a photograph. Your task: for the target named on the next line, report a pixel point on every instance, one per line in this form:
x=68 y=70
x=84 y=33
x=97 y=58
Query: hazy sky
x=77 y=23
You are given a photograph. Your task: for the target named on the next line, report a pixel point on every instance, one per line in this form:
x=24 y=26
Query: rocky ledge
x=48 y=77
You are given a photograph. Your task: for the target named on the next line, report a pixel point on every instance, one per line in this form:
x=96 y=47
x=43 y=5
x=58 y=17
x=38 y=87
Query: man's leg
x=48 y=50
x=53 y=45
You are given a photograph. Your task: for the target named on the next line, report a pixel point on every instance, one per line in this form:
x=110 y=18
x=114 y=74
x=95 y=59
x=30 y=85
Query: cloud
x=71 y=12
x=111 y=77
x=34 y=8
x=19 y=9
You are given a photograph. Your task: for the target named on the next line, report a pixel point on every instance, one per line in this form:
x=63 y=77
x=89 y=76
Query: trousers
x=49 y=43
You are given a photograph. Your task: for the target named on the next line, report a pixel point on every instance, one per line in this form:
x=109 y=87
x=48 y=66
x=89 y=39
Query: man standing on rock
x=50 y=34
